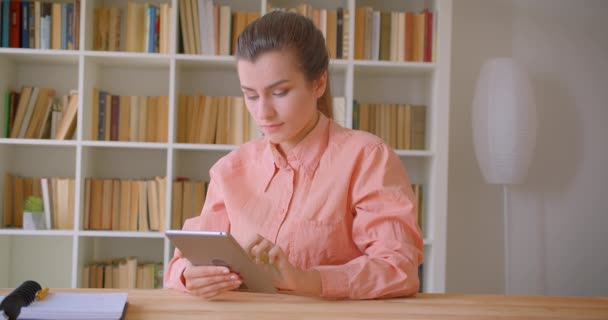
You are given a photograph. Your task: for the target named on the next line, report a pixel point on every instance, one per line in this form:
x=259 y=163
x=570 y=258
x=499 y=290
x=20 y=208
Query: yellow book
x=96 y=204
x=124 y=118
x=8 y=201
x=87 y=205
x=134 y=205
x=152 y=121
x=162 y=134
x=56 y=26
x=182 y=119
x=95 y=114
x=142 y=215
x=116 y=205
x=106 y=205
x=125 y=203
x=176 y=205
x=153 y=214
x=143 y=119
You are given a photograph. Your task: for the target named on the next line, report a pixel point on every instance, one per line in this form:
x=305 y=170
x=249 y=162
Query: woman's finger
x=217 y=288
x=204 y=271
x=252 y=242
x=275 y=255
x=195 y=284
x=260 y=250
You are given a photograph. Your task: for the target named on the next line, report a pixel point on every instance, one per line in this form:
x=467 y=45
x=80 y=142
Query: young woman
x=331 y=208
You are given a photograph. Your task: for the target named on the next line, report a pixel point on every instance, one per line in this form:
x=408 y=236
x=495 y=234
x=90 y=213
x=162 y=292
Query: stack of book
x=129 y=118
x=147 y=28
x=36 y=113
x=333 y=23
x=187 y=201
x=57 y=195
x=40 y=24
x=395 y=35
x=401 y=126
x=122 y=273
x=127 y=205
x=210 y=29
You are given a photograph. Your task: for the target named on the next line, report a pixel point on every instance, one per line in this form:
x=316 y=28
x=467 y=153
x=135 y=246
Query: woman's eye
x=280 y=93
x=251 y=97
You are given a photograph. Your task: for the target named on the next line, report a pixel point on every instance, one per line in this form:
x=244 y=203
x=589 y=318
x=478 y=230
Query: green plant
x=33 y=204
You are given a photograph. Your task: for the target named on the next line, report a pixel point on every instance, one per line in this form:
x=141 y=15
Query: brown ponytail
x=279 y=30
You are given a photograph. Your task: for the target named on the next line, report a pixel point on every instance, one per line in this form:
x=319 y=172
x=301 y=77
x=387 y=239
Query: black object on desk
x=21 y=297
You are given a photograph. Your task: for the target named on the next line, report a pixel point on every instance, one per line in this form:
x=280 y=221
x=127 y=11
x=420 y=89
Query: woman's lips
x=271 y=127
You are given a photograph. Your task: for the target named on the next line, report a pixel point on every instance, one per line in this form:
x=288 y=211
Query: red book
x=428 y=36
x=15 y=28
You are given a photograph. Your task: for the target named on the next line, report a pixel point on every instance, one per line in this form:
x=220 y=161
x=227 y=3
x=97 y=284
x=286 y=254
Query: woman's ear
x=320 y=85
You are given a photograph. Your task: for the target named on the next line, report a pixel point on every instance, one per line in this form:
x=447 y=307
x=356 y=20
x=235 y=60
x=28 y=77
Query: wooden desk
x=169 y=304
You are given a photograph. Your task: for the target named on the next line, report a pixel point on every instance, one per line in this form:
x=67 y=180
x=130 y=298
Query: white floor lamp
x=504 y=131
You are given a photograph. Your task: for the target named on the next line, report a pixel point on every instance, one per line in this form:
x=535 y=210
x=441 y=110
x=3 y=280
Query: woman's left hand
x=285 y=275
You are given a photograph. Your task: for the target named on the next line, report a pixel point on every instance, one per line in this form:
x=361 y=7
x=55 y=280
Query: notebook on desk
x=93 y=306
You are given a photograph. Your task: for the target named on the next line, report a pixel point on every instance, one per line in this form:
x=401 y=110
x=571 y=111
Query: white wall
x=559 y=245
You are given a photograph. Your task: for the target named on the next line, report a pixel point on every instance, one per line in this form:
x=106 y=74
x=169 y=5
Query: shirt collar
x=307 y=153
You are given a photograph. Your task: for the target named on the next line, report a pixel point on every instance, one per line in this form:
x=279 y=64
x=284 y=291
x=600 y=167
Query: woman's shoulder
x=353 y=140
x=244 y=155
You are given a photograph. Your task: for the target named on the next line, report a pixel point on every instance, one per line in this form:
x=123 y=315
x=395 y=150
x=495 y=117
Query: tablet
x=209 y=248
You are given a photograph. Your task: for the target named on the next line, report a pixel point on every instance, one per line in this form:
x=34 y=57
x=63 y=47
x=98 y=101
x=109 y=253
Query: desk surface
x=169 y=304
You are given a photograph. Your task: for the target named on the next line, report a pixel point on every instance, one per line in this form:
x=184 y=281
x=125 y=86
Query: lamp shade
x=504 y=122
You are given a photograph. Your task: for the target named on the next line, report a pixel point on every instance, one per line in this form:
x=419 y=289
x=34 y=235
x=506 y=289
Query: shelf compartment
x=195 y=164
x=91 y=5
x=372 y=88
x=38 y=160
x=125 y=81
x=46 y=259
x=123 y=163
x=28 y=67
x=103 y=249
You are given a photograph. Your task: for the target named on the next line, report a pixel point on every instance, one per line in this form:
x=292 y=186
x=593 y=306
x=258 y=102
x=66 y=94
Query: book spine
x=339 y=33
x=5 y=22
x=151 y=28
x=15 y=30
x=64 y=26
x=7 y=114
x=428 y=37
x=114 y=118
x=101 y=133
x=30 y=25
x=25 y=29
x=70 y=26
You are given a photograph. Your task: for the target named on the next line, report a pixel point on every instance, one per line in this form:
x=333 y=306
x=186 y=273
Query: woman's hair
x=280 y=30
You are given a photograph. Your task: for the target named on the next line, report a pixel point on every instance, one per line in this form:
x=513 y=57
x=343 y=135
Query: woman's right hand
x=209 y=281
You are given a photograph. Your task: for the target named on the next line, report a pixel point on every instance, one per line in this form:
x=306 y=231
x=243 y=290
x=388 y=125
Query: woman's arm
x=213 y=217
x=384 y=229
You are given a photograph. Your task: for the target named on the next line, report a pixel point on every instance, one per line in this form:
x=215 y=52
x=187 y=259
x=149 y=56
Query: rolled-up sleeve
x=384 y=229
x=213 y=217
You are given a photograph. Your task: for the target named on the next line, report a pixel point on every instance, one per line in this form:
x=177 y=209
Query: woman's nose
x=265 y=110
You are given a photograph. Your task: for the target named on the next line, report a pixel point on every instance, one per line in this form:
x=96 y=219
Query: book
x=77 y=306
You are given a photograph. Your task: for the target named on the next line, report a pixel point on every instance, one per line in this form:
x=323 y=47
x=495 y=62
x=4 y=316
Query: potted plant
x=33 y=214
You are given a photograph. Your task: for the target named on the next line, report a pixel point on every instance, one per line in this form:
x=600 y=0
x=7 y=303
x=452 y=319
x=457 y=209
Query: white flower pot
x=33 y=221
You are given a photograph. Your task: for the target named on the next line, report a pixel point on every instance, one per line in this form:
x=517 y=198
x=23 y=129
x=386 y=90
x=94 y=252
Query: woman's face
x=280 y=98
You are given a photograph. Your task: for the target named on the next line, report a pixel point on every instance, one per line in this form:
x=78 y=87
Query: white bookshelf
x=56 y=257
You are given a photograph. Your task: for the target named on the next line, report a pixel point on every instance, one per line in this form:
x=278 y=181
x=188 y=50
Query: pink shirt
x=340 y=202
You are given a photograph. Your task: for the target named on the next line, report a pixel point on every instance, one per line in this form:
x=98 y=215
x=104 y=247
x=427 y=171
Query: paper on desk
x=94 y=306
